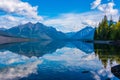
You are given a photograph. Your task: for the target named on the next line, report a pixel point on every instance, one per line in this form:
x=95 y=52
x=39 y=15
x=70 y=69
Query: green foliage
x=108 y=30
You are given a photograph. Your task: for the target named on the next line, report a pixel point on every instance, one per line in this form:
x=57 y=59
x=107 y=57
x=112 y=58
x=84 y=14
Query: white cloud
x=65 y=22
x=19 y=8
x=17 y=12
x=8 y=21
x=95 y=4
x=74 y=21
x=107 y=8
x=69 y=22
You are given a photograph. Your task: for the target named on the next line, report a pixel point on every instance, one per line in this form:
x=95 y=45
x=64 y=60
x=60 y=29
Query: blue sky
x=56 y=7
x=64 y=15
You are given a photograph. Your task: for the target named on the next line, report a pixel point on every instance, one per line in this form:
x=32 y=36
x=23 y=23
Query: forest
x=108 y=29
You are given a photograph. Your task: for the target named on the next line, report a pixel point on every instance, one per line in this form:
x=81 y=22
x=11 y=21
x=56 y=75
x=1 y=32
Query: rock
x=116 y=71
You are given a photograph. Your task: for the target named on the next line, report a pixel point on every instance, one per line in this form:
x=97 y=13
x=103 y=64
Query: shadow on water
x=38 y=49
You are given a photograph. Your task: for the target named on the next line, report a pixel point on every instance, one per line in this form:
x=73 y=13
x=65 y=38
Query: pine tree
x=107 y=31
x=111 y=22
x=118 y=29
x=105 y=28
x=119 y=19
x=105 y=21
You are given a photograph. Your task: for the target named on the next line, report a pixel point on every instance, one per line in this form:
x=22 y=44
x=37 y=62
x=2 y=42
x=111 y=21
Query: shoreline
x=109 y=42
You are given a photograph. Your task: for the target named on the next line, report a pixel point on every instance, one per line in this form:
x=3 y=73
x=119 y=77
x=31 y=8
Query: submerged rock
x=116 y=71
x=85 y=71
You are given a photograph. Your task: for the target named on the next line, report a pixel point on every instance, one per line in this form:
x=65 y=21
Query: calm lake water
x=61 y=60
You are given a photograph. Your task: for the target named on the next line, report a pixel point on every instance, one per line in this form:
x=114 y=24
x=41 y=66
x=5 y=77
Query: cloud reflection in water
x=17 y=66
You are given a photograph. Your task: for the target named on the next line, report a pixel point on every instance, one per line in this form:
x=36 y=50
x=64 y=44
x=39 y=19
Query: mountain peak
x=37 y=31
x=86 y=33
x=29 y=23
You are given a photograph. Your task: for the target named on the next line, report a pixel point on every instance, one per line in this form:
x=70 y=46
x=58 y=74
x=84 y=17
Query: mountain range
x=86 y=33
x=40 y=31
x=35 y=31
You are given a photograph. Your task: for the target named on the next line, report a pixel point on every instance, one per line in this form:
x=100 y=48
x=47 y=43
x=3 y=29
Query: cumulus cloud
x=19 y=8
x=107 y=8
x=17 y=12
x=95 y=4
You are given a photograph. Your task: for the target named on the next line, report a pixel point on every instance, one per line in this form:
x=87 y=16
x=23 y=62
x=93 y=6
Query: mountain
x=6 y=38
x=2 y=29
x=70 y=34
x=85 y=34
x=35 y=31
x=4 y=33
x=41 y=32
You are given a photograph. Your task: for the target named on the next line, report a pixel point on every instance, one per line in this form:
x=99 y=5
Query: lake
x=58 y=60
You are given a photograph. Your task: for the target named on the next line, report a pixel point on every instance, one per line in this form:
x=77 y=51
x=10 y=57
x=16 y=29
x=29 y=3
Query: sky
x=64 y=15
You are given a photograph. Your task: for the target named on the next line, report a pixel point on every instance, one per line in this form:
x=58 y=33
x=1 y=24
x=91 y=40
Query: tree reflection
x=107 y=53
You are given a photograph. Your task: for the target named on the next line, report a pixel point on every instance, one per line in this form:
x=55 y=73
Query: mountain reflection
x=53 y=60
x=104 y=52
x=38 y=49
x=84 y=46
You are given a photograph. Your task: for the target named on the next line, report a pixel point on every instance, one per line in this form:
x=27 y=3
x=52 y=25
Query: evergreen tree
x=111 y=22
x=118 y=30
x=119 y=19
x=105 y=28
x=107 y=31
x=105 y=22
x=113 y=32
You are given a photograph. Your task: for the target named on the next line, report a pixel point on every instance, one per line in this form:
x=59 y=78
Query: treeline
x=108 y=30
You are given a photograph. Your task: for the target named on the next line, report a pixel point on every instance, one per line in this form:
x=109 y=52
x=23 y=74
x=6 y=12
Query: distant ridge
x=86 y=33
x=39 y=31
x=35 y=31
